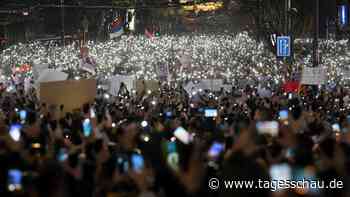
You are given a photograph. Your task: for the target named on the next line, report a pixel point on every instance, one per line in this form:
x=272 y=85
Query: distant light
x=11 y=187
x=343 y=12
x=25 y=13
x=146 y=139
x=144 y=123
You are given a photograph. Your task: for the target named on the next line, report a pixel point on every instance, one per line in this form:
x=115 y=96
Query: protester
x=169 y=143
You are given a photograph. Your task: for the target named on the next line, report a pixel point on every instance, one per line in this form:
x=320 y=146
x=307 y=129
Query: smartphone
x=92 y=113
x=210 y=113
x=87 y=127
x=122 y=164
x=14 y=180
x=137 y=162
x=182 y=135
x=15 y=132
x=172 y=156
x=336 y=127
x=168 y=114
x=268 y=127
x=23 y=115
x=215 y=150
x=62 y=155
x=283 y=114
x=280 y=172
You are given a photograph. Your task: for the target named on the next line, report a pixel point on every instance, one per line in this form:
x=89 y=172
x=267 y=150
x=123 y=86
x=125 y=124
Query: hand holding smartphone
x=280 y=172
x=283 y=115
x=15 y=132
x=87 y=127
x=215 y=150
x=137 y=162
x=183 y=136
x=210 y=113
x=336 y=127
x=92 y=113
x=268 y=127
x=23 y=115
x=14 y=180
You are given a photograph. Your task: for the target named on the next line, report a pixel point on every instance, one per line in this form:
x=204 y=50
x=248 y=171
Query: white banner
x=206 y=84
x=49 y=75
x=211 y=84
x=38 y=68
x=313 y=76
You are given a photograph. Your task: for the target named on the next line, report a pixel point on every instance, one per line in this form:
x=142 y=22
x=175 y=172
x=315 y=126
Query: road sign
x=283 y=46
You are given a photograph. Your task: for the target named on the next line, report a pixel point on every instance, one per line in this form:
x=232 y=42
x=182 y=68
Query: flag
x=291 y=86
x=148 y=33
x=117 y=27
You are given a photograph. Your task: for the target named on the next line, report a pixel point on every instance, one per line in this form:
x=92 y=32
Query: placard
x=71 y=93
x=313 y=76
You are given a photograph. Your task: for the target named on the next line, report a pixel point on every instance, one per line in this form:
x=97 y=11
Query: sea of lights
x=231 y=57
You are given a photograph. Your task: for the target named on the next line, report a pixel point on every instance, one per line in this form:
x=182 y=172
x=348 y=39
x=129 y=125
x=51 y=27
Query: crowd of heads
x=169 y=143
x=234 y=57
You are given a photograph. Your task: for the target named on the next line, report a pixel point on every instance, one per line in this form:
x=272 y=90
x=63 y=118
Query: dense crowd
x=234 y=57
x=168 y=143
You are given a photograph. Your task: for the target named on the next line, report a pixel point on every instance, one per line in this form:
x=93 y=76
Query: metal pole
x=316 y=55
x=285 y=17
x=62 y=22
x=289 y=7
x=258 y=19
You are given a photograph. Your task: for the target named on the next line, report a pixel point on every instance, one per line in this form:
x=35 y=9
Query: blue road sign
x=283 y=46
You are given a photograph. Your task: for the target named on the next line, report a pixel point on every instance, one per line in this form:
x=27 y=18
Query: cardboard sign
x=71 y=93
